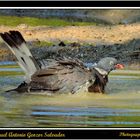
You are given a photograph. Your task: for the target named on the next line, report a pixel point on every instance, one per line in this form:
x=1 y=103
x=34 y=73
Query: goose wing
x=18 y=46
x=63 y=76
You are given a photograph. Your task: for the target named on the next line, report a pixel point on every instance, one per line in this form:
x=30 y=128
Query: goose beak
x=119 y=66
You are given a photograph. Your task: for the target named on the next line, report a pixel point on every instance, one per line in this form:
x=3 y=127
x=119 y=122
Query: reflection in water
x=13 y=69
x=79 y=116
x=120 y=107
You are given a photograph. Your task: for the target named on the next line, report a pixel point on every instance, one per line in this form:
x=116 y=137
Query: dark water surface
x=119 y=107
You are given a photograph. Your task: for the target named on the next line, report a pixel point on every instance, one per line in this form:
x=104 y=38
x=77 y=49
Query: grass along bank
x=32 y=21
x=9 y=66
x=11 y=73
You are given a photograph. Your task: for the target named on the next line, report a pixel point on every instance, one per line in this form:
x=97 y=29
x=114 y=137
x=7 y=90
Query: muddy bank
x=128 y=53
x=96 y=35
x=5 y=53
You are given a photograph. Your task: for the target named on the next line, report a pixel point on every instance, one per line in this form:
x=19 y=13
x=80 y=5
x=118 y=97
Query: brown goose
x=58 y=76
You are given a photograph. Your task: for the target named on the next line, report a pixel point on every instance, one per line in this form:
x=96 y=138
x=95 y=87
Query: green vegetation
x=32 y=21
x=125 y=74
x=10 y=73
x=9 y=66
x=42 y=44
x=66 y=42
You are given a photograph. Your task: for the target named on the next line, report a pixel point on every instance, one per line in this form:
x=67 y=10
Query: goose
x=65 y=75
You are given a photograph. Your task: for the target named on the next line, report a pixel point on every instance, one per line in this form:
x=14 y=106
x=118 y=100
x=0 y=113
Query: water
x=7 y=63
x=119 y=107
x=12 y=69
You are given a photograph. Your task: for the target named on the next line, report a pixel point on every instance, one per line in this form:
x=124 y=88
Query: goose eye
x=111 y=63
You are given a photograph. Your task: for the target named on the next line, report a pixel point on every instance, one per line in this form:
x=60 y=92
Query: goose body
x=58 y=76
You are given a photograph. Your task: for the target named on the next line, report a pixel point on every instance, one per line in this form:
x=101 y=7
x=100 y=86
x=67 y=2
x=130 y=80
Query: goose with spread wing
x=58 y=76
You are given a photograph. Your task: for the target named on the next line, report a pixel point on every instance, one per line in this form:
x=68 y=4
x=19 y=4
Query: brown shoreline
x=87 y=34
